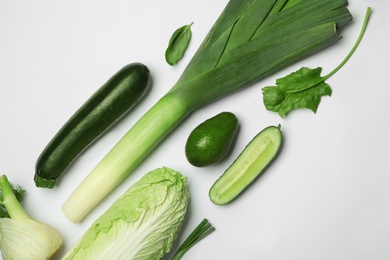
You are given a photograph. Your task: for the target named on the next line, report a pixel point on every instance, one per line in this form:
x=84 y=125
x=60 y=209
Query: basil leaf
x=178 y=44
x=301 y=89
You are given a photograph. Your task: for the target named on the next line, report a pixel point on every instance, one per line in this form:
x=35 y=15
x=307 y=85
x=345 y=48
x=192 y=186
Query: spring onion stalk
x=201 y=231
x=252 y=39
x=22 y=237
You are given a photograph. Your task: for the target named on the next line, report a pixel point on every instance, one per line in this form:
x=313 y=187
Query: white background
x=326 y=197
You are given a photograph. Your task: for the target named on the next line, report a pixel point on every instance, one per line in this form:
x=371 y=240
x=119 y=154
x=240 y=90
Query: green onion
x=251 y=39
x=201 y=231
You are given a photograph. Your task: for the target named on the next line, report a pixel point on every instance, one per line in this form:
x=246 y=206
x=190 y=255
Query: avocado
x=210 y=141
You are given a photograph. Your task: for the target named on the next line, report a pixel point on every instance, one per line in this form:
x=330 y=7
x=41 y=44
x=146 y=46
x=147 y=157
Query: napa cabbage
x=141 y=224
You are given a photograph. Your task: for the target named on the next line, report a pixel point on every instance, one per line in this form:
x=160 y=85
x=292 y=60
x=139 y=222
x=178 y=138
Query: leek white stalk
x=22 y=237
x=139 y=141
x=243 y=46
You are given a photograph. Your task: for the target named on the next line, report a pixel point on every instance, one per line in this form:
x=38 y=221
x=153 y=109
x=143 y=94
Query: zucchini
x=104 y=108
x=252 y=161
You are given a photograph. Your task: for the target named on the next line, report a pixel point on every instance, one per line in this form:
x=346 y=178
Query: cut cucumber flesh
x=252 y=161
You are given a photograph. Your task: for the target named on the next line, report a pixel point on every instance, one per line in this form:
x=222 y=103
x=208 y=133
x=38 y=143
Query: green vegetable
x=19 y=194
x=252 y=161
x=201 y=231
x=141 y=224
x=104 y=108
x=305 y=87
x=22 y=237
x=209 y=142
x=250 y=40
x=178 y=44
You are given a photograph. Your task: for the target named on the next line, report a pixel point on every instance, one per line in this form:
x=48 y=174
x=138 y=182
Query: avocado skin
x=210 y=141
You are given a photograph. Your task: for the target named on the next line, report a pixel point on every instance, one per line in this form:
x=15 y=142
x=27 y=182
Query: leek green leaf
x=178 y=44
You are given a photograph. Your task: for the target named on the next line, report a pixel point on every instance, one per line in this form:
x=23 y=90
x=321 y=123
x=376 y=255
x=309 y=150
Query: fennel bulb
x=141 y=224
x=21 y=237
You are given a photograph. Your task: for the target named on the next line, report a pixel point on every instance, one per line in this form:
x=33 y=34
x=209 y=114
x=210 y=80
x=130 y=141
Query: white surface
x=326 y=197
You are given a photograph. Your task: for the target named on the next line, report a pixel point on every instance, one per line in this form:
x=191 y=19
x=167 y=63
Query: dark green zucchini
x=104 y=108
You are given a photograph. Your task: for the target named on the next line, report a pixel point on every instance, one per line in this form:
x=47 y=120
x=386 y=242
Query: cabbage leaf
x=141 y=224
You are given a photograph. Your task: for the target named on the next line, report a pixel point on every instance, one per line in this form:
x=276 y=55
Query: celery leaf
x=301 y=89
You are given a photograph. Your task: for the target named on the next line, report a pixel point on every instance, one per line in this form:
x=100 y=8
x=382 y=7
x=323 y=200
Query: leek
x=250 y=40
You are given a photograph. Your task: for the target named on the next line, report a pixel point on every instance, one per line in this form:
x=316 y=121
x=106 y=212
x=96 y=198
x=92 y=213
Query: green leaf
x=305 y=87
x=301 y=89
x=178 y=44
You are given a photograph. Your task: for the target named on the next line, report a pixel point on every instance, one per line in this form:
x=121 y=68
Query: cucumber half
x=252 y=161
